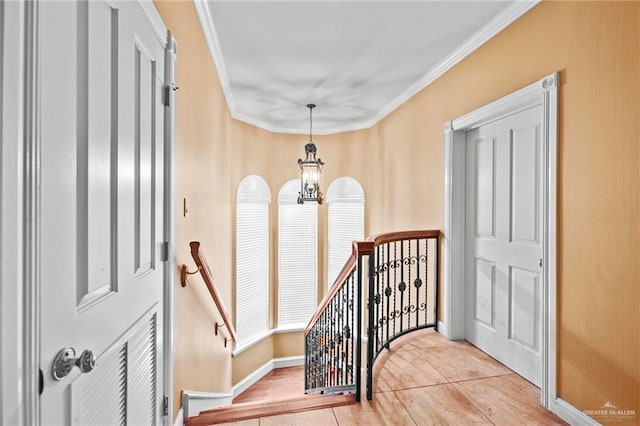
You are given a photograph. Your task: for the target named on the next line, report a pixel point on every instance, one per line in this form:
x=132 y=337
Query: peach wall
x=213 y=154
x=596 y=48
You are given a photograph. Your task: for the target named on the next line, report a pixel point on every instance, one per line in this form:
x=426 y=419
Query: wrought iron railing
x=333 y=338
x=401 y=296
x=403 y=290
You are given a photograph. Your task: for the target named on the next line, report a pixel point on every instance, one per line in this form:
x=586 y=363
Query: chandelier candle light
x=310 y=169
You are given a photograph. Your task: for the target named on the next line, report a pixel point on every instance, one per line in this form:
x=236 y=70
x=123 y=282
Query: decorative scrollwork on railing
x=402 y=289
x=401 y=297
x=333 y=337
x=398 y=263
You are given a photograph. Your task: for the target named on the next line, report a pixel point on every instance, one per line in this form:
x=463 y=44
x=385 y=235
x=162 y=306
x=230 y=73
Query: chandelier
x=310 y=169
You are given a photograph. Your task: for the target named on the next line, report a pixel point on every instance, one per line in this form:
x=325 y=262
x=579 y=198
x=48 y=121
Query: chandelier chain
x=311 y=107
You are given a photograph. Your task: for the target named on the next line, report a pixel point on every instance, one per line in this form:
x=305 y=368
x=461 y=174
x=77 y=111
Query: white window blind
x=345 y=197
x=252 y=259
x=297 y=258
x=346 y=224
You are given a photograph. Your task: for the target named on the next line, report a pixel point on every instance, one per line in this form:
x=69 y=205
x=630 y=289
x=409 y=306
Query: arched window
x=252 y=259
x=297 y=258
x=345 y=197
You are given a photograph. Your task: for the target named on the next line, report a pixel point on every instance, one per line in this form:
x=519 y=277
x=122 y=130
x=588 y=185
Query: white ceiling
x=357 y=60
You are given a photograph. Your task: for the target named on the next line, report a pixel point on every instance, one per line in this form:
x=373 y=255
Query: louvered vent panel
x=142 y=389
x=99 y=397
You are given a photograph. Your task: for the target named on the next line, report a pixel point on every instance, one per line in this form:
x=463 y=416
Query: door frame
x=19 y=215
x=20 y=279
x=543 y=92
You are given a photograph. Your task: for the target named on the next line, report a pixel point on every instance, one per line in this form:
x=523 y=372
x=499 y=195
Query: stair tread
x=254 y=409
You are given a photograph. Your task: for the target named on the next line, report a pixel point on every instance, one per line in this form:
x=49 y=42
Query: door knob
x=540 y=263
x=66 y=359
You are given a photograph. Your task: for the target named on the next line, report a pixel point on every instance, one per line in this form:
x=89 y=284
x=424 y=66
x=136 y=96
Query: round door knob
x=66 y=359
x=87 y=361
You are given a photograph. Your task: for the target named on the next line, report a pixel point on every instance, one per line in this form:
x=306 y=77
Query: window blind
x=297 y=263
x=252 y=259
x=346 y=224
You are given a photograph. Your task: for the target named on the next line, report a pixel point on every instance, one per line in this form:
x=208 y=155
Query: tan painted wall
x=595 y=46
x=213 y=154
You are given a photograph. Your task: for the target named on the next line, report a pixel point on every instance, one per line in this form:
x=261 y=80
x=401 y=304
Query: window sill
x=294 y=328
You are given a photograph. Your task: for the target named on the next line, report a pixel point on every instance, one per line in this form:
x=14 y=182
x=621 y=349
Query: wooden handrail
x=358 y=248
x=403 y=235
x=207 y=276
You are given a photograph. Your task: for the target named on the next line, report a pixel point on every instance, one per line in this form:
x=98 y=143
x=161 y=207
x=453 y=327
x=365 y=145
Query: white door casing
x=104 y=178
x=18 y=369
x=544 y=93
x=503 y=252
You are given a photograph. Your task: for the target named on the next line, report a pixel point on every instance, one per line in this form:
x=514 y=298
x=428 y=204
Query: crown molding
x=505 y=18
x=210 y=34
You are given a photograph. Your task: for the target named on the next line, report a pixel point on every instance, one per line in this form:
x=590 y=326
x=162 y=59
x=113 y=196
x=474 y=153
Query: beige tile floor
x=424 y=379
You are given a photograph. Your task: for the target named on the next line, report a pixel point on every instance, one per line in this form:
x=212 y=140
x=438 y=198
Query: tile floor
x=424 y=379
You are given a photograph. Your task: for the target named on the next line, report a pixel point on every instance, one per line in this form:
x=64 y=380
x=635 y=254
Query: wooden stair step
x=255 y=409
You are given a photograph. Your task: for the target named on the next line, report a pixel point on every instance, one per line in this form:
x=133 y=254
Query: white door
x=504 y=241
x=102 y=148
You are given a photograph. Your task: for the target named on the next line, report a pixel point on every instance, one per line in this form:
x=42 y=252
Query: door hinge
x=165 y=405
x=40 y=382
x=167 y=93
x=164 y=251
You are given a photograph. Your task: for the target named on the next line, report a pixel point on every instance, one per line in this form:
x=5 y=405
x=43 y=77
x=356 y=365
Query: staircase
x=387 y=289
x=256 y=409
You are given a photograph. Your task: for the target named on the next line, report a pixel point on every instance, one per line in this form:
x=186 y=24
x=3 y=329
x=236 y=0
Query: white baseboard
x=179 y=418
x=442 y=329
x=265 y=369
x=289 y=361
x=571 y=414
x=193 y=402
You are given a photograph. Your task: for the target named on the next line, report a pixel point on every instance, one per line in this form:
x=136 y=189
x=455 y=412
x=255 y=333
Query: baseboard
x=193 y=402
x=442 y=329
x=179 y=418
x=571 y=414
x=289 y=361
x=265 y=369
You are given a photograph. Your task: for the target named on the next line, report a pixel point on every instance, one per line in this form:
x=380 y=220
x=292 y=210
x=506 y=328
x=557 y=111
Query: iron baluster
x=393 y=287
x=400 y=286
x=408 y=283
x=416 y=283
x=426 y=282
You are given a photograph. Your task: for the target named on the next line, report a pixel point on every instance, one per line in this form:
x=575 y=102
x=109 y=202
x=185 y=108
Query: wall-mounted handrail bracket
x=219 y=326
x=184 y=275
